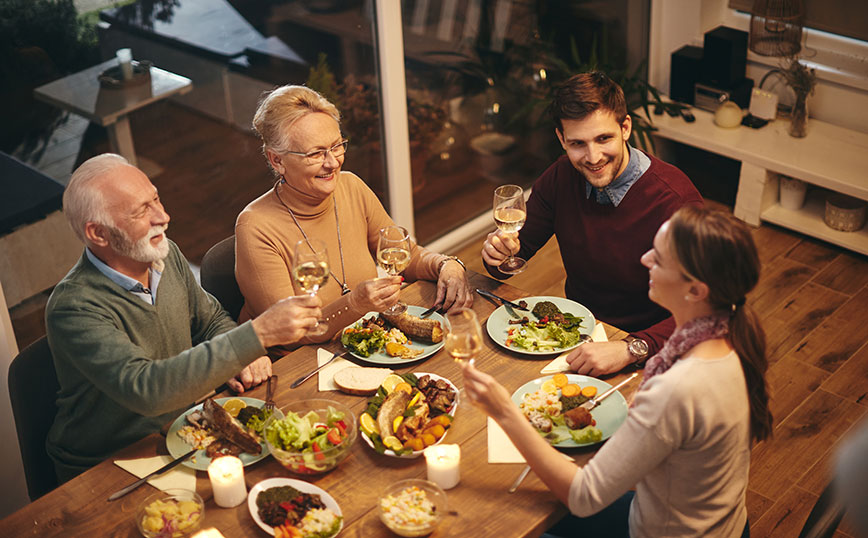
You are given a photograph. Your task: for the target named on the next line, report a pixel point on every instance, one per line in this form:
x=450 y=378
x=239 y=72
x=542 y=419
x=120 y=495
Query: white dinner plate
x=498 y=323
x=417 y=453
x=300 y=485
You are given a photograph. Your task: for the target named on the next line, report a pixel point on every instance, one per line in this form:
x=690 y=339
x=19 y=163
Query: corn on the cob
x=416 y=327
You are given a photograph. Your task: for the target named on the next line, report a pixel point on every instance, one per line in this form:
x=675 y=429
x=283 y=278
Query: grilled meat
x=228 y=428
x=577 y=418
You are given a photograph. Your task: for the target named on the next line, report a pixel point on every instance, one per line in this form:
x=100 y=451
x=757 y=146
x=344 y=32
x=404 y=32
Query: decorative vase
x=799 y=116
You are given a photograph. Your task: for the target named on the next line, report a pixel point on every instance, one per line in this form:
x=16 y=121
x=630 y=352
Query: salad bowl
x=311 y=437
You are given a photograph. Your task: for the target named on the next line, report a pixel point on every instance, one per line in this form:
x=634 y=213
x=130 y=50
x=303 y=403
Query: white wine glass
x=310 y=271
x=509 y=215
x=393 y=256
x=463 y=337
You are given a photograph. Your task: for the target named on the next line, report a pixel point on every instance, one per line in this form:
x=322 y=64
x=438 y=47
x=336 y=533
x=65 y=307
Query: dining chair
x=218 y=276
x=33 y=390
x=825 y=516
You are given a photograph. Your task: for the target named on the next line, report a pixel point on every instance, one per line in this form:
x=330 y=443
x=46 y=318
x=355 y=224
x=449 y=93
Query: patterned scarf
x=685 y=338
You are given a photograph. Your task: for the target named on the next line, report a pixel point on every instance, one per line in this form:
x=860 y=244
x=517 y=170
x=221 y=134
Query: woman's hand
x=376 y=294
x=498 y=246
x=485 y=392
x=453 y=290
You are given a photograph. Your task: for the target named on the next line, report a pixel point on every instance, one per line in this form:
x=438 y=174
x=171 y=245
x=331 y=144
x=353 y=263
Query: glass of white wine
x=393 y=256
x=464 y=336
x=509 y=214
x=310 y=271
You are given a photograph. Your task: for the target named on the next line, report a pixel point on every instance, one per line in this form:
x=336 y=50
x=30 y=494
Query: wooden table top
x=481 y=504
x=81 y=93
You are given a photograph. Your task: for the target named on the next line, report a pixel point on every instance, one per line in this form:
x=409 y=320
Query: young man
x=603 y=200
x=135 y=339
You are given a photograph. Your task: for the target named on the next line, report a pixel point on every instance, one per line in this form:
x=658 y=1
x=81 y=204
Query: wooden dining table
x=479 y=505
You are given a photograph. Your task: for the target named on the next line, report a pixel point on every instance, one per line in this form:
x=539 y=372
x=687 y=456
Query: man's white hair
x=82 y=202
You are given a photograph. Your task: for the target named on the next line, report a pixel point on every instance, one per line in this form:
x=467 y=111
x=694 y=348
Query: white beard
x=141 y=250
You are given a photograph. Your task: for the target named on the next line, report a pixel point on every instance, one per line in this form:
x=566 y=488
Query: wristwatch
x=448 y=258
x=638 y=348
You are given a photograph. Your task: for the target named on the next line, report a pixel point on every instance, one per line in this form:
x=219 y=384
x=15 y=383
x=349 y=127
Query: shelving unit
x=831 y=157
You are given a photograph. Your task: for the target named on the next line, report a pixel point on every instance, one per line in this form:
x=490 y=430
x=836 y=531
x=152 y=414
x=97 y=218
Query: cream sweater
x=685 y=446
x=265 y=236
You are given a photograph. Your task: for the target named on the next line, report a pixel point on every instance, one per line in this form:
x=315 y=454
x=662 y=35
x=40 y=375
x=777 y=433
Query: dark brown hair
x=717 y=249
x=585 y=93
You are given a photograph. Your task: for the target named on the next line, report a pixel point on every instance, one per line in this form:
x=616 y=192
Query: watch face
x=638 y=347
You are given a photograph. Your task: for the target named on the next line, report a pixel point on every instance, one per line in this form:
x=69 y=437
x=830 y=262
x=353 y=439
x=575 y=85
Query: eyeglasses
x=318 y=156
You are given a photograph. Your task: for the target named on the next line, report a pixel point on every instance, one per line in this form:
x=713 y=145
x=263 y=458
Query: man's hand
x=255 y=373
x=498 y=246
x=376 y=294
x=287 y=320
x=598 y=358
x=453 y=290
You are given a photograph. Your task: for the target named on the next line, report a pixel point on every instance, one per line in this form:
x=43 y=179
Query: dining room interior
x=475 y=77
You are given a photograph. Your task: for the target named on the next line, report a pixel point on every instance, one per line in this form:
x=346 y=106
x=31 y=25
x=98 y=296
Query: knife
x=430 y=311
x=305 y=377
x=595 y=401
x=161 y=470
x=503 y=301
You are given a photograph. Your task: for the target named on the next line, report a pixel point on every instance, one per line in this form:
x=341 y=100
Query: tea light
x=444 y=465
x=125 y=59
x=227 y=481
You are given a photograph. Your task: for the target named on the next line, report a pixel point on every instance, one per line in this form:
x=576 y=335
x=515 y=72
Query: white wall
x=11 y=470
x=841 y=96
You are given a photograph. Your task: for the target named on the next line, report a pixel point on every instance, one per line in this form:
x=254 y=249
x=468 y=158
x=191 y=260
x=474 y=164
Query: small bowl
x=324 y=461
x=406 y=524
x=175 y=504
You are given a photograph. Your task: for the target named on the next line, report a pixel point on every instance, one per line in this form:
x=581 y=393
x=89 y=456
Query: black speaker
x=684 y=71
x=724 y=57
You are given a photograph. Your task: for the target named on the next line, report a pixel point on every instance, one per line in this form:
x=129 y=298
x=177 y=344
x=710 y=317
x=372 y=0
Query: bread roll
x=360 y=381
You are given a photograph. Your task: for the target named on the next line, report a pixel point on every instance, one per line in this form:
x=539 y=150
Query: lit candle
x=444 y=465
x=125 y=59
x=227 y=481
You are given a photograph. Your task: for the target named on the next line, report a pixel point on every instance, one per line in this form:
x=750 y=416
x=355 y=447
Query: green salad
x=363 y=341
x=554 y=330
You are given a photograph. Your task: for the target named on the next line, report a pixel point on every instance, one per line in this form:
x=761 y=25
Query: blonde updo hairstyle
x=279 y=109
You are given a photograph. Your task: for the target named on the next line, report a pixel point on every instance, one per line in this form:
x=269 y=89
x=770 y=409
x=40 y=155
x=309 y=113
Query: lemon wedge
x=368 y=424
x=549 y=386
x=393 y=443
x=234 y=406
x=392 y=381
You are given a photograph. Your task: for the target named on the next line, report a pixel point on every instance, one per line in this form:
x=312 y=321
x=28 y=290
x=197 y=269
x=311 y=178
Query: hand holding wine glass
x=509 y=215
x=393 y=256
x=310 y=271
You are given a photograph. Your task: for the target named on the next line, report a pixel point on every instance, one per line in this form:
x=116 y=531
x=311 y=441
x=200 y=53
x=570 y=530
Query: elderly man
x=604 y=201
x=135 y=338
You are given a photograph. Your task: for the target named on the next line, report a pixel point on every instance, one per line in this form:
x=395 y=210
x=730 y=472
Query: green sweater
x=126 y=367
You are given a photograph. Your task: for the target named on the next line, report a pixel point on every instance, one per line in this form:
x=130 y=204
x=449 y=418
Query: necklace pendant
x=345 y=289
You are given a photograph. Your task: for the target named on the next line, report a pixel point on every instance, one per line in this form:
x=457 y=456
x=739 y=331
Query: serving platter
x=610 y=414
x=199 y=461
x=300 y=485
x=380 y=357
x=451 y=413
x=498 y=324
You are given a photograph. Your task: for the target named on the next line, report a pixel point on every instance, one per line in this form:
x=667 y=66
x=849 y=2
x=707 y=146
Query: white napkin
x=179 y=477
x=327 y=374
x=500 y=448
x=560 y=363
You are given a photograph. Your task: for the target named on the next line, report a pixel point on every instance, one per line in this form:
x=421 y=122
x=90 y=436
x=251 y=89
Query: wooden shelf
x=809 y=220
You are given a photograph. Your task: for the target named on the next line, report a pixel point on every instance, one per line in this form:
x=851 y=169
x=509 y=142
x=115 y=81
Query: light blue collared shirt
x=132 y=285
x=615 y=191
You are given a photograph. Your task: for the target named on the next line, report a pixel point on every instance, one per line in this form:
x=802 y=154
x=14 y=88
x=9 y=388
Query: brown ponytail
x=718 y=249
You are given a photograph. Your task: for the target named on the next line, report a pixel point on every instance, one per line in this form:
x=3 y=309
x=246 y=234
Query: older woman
x=314 y=198
x=685 y=445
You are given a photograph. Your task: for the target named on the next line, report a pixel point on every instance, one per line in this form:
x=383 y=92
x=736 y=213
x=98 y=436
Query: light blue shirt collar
x=130 y=284
x=615 y=191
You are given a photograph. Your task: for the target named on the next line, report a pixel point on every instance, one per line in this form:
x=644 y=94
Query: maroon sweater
x=601 y=244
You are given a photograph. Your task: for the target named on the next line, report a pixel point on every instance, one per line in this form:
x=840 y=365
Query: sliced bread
x=360 y=381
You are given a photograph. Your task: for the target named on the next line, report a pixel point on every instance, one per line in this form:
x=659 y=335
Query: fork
x=270 y=387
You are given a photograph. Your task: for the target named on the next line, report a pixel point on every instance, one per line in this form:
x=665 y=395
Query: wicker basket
x=844 y=213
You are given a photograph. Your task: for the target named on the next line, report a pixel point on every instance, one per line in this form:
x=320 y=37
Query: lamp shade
x=776 y=27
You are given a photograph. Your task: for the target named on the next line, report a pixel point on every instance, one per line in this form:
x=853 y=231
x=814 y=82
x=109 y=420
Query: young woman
x=685 y=445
